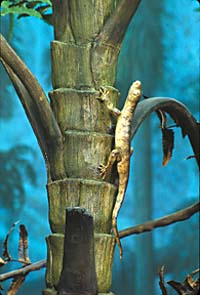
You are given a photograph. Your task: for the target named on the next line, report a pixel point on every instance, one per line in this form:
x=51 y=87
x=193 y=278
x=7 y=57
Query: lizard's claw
x=103 y=171
x=103 y=93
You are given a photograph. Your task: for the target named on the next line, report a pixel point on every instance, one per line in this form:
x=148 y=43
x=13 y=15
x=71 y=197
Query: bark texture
x=87 y=130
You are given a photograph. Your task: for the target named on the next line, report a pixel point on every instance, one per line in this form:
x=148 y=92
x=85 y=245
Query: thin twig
x=164 y=221
x=23 y=271
x=162 y=281
x=6 y=253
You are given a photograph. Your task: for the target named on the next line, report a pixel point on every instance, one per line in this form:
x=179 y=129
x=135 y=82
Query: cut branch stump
x=78 y=274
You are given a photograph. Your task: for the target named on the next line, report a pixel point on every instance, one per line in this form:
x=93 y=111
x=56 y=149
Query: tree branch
x=29 y=108
x=107 y=44
x=23 y=271
x=116 y=25
x=179 y=113
x=32 y=97
x=164 y=221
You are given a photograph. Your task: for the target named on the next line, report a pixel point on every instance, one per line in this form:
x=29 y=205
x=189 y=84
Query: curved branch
x=32 y=97
x=115 y=27
x=23 y=271
x=164 y=221
x=29 y=108
x=107 y=44
x=179 y=113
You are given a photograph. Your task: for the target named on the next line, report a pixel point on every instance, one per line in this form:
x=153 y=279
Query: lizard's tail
x=116 y=233
x=118 y=203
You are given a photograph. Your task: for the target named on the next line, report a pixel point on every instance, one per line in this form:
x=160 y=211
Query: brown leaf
x=6 y=253
x=190 y=283
x=23 y=245
x=162 y=117
x=2 y=262
x=1 y=288
x=188 y=287
x=168 y=144
x=162 y=282
x=16 y=284
x=178 y=287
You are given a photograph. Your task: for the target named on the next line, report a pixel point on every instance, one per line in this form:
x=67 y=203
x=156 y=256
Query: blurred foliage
x=16 y=170
x=36 y=8
x=22 y=8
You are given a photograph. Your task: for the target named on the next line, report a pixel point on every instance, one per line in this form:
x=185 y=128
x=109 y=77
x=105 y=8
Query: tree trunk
x=86 y=127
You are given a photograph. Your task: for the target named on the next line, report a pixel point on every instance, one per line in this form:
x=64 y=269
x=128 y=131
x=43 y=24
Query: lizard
x=122 y=151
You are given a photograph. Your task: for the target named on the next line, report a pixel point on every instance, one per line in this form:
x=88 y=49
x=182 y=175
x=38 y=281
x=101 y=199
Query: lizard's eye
x=114 y=154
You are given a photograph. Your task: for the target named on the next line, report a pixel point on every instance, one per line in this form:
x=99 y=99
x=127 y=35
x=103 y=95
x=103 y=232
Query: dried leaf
x=197 y=156
x=178 y=287
x=195 y=272
x=162 y=282
x=168 y=144
x=6 y=253
x=16 y=284
x=1 y=288
x=190 y=283
x=163 y=118
x=190 y=157
x=2 y=262
x=23 y=245
x=188 y=287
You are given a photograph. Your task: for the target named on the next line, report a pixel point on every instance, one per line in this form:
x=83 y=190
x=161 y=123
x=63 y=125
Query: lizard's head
x=135 y=89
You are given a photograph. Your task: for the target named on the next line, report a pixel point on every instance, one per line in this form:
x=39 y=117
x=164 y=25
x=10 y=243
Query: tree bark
x=87 y=130
x=78 y=274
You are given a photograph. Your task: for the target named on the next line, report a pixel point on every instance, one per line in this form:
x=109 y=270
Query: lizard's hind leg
x=106 y=169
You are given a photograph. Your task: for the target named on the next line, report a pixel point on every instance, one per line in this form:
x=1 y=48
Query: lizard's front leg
x=106 y=169
x=104 y=97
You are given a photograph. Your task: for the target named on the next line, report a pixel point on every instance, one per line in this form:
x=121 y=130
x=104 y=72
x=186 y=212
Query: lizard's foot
x=103 y=94
x=104 y=171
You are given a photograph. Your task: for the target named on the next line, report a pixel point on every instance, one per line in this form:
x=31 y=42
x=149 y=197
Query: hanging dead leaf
x=23 y=245
x=162 y=282
x=1 y=289
x=167 y=137
x=178 y=287
x=190 y=283
x=167 y=144
x=2 y=262
x=190 y=286
x=6 y=253
x=162 y=117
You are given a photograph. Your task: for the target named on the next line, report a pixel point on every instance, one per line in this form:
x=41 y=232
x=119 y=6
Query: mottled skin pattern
x=122 y=152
